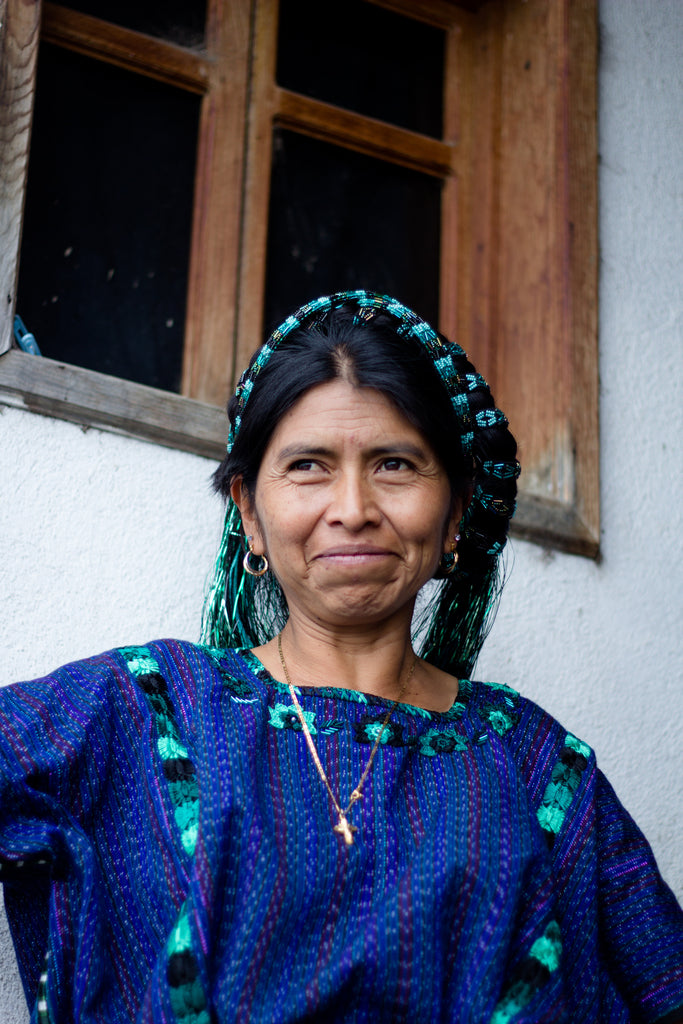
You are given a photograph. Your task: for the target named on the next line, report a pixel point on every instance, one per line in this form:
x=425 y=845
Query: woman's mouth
x=354 y=555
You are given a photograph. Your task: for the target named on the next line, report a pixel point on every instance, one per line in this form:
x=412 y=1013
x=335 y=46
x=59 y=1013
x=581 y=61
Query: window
x=465 y=132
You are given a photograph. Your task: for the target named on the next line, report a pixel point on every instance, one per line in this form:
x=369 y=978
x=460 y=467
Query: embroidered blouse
x=168 y=856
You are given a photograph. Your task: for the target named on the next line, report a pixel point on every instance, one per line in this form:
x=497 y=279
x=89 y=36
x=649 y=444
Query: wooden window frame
x=518 y=163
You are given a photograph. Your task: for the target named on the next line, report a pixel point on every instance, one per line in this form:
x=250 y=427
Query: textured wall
x=105 y=540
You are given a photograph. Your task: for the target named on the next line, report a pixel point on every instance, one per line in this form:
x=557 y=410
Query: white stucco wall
x=105 y=540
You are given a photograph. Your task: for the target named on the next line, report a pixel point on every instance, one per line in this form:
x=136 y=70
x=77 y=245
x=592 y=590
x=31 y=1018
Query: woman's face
x=351 y=506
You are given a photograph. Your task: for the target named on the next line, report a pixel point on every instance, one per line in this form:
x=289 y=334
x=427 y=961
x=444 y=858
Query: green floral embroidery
x=179 y=771
x=565 y=780
x=369 y=728
x=283 y=716
x=374 y=731
x=548 y=949
x=434 y=742
x=140 y=664
x=237 y=688
x=501 y=720
x=531 y=975
x=188 y=999
x=503 y=689
x=575 y=744
x=501 y=711
x=169 y=747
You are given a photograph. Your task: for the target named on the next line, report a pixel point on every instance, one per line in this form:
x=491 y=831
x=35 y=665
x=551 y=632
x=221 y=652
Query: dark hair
x=367 y=355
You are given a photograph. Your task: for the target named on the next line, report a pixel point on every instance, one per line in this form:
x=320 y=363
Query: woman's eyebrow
x=407 y=448
x=301 y=449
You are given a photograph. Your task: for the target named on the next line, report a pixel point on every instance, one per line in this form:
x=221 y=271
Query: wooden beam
x=19 y=24
x=451 y=193
x=582 y=240
x=364 y=134
x=132 y=51
x=527 y=285
x=257 y=182
x=439 y=13
x=214 y=277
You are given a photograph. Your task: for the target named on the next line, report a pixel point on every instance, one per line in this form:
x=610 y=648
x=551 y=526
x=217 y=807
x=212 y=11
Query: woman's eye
x=394 y=464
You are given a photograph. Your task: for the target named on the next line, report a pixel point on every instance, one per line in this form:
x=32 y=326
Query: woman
x=302 y=818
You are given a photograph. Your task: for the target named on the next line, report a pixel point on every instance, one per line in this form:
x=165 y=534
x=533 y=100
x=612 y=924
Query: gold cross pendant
x=345 y=830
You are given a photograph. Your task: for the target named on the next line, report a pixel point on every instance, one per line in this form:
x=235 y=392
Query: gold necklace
x=343 y=827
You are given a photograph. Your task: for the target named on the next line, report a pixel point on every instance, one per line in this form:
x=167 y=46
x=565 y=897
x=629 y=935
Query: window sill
x=96 y=400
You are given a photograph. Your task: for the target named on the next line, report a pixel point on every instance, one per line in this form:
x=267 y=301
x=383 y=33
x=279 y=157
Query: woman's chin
x=362 y=604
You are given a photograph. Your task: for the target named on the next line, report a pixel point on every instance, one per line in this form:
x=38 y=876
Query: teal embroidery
x=373 y=731
x=186 y=992
x=434 y=742
x=168 y=747
x=504 y=689
x=565 y=780
x=179 y=770
x=531 y=975
x=575 y=744
x=139 y=662
x=333 y=726
x=43 y=1015
x=548 y=949
x=283 y=716
x=237 y=688
x=370 y=727
x=501 y=711
x=501 y=721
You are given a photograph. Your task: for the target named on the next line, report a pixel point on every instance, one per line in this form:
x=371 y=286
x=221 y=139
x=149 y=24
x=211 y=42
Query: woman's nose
x=353 y=503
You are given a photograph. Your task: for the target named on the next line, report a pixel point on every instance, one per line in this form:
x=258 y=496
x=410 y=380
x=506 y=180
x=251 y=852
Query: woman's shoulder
x=557 y=766
x=525 y=723
x=179 y=669
x=167 y=657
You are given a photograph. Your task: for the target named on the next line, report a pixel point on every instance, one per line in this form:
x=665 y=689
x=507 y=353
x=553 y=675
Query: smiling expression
x=352 y=507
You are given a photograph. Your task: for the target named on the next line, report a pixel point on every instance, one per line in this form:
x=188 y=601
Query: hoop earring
x=263 y=565
x=449 y=560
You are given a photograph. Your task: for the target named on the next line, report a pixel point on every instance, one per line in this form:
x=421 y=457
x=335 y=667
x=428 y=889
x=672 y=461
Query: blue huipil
x=168 y=853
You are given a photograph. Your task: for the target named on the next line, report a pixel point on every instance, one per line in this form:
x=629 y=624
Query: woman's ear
x=242 y=498
x=453 y=523
x=238 y=493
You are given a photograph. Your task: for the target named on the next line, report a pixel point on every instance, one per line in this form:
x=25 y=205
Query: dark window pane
x=178 y=21
x=106 y=239
x=341 y=220
x=363 y=58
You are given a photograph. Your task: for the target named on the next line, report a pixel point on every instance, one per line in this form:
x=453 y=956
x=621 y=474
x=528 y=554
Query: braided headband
x=442 y=354
x=411 y=325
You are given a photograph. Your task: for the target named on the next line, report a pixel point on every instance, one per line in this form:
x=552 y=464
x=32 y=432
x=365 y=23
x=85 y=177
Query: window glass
x=363 y=58
x=178 y=21
x=342 y=220
x=106 y=240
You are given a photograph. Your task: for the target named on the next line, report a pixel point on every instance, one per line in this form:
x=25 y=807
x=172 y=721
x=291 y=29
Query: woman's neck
x=375 y=661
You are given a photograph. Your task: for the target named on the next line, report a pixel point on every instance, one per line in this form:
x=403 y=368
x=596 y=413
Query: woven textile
x=166 y=841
